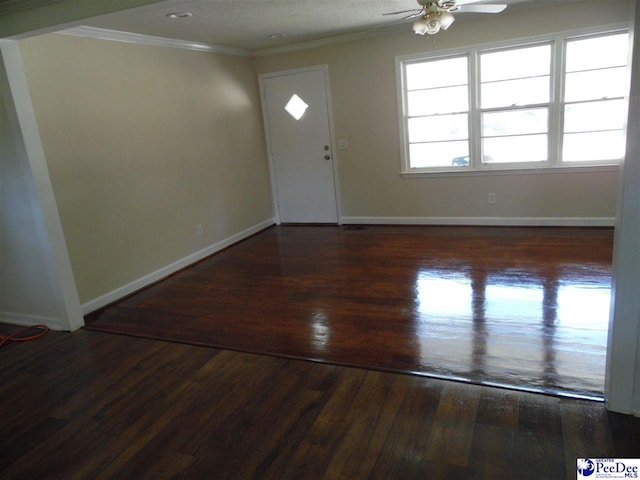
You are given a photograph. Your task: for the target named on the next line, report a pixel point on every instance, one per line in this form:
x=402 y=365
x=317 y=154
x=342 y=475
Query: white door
x=297 y=122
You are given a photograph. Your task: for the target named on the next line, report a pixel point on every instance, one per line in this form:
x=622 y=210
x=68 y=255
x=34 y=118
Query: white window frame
x=479 y=110
x=554 y=162
x=563 y=103
x=468 y=112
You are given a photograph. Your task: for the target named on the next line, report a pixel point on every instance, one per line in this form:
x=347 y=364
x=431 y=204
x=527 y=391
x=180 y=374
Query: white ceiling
x=248 y=24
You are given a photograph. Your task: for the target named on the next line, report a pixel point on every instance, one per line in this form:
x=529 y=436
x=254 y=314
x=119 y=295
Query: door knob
x=327 y=157
x=326 y=148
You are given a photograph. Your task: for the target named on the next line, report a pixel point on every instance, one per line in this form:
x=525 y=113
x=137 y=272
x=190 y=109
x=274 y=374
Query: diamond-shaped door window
x=296 y=107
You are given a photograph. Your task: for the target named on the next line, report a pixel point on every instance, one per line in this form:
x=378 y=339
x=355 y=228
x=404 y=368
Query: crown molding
x=140 y=39
x=323 y=42
x=128 y=37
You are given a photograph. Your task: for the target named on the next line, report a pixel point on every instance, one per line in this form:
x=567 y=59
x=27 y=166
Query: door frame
x=274 y=188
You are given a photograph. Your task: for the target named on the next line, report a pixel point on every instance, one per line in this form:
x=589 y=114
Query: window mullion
x=475 y=121
x=556 y=113
x=401 y=79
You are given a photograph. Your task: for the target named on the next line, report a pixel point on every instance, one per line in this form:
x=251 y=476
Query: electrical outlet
x=491 y=199
x=199 y=230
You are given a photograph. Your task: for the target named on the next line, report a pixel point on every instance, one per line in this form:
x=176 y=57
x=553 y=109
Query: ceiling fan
x=438 y=14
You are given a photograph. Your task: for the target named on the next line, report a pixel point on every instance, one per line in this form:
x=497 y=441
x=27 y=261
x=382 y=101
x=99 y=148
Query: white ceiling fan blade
x=413 y=15
x=466 y=2
x=495 y=8
x=402 y=11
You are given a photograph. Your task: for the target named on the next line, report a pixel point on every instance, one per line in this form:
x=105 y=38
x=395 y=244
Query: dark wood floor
x=521 y=307
x=90 y=405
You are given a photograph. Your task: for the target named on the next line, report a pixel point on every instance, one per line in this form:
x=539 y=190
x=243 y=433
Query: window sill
x=513 y=171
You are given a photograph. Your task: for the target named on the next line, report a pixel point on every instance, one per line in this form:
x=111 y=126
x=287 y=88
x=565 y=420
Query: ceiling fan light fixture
x=433 y=25
x=446 y=19
x=432 y=22
x=421 y=25
x=428 y=23
x=436 y=15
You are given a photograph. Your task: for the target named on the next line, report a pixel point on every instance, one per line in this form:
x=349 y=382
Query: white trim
x=139 y=39
x=172 y=268
x=515 y=171
x=323 y=42
x=272 y=170
x=334 y=147
x=622 y=375
x=486 y=221
x=53 y=241
x=29 y=320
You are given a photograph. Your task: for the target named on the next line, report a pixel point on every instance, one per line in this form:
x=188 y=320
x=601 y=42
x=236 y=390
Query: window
x=594 y=99
x=438 y=112
x=296 y=107
x=514 y=107
x=514 y=101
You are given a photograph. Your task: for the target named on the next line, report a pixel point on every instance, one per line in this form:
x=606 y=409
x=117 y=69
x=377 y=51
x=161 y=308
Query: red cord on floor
x=20 y=336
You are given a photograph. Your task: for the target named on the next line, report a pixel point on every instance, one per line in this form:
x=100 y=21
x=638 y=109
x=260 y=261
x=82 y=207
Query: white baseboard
x=174 y=267
x=29 y=320
x=486 y=221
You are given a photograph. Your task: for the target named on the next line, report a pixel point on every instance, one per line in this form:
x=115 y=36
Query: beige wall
x=363 y=87
x=142 y=144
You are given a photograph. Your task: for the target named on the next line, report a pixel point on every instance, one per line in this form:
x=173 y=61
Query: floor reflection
x=321 y=331
x=523 y=308
x=544 y=331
